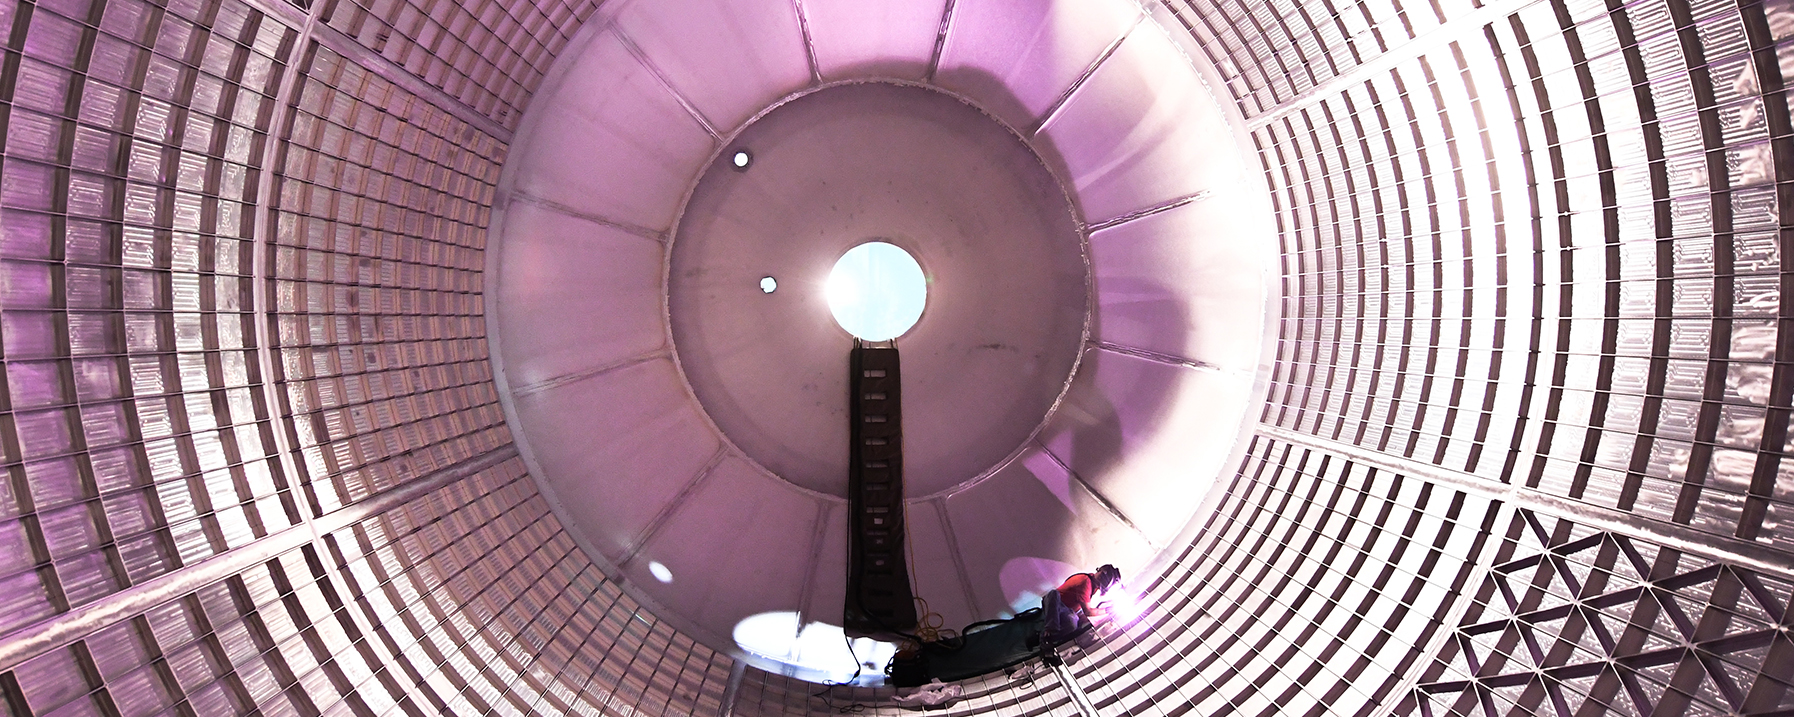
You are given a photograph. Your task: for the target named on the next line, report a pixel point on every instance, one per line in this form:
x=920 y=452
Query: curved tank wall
x=1523 y=451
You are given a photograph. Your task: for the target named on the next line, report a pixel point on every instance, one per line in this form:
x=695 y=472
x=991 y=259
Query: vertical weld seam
x=803 y=25
x=817 y=536
x=1101 y=499
x=672 y=507
x=940 y=40
x=641 y=58
x=959 y=563
x=732 y=689
x=1155 y=209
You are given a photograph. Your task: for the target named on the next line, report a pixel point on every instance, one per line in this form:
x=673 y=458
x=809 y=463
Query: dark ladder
x=878 y=593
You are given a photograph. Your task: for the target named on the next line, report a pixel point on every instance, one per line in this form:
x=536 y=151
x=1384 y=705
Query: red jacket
x=1076 y=591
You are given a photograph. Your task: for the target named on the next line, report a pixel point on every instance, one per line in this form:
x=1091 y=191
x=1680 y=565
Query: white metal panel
x=1150 y=436
x=890 y=39
x=1175 y=283
x=577 y=296
x=1142 y=131
x=1018 y=57
x=610 y=140
x=616 y=470
x=729 y=59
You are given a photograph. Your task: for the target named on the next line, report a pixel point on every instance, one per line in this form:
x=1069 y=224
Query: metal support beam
x=1078 y=699
x=1467 y=25
x=1740 y=553
x=61 y=630
x=733 y=689
x=376 y=63
x=261 y=265
x=341 y=44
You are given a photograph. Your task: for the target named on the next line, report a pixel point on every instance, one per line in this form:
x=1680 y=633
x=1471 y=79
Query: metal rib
x=672 y=507
x=737 y=671
x=803 y=25
x=1154 y=356
x=59 y=631
x=564 y=379
x=1098 y=496
x=1149 y=211
x=959 y=562
x=280 y=130
x=818 y=537
x=940 y=41
x=641 y=58
x=1741 y=553
x=1451 y=31
x=1064 y=98
x=562 y=209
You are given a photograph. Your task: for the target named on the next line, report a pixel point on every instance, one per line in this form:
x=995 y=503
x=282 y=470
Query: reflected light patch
x=1025 y=579
x=818 y=651
x=660 y=572
x=876 y=291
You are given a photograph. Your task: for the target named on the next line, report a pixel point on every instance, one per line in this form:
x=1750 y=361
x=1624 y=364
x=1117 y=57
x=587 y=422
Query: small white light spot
x=741 y=159
x=769 y=284
x=660 y=572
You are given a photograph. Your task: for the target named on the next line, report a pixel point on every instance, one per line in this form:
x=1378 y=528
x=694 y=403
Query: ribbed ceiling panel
x=375 y=286
x=489 y=54
x=138 y=430
x=256 y=463
x=1536 y=251
x=1523 y=454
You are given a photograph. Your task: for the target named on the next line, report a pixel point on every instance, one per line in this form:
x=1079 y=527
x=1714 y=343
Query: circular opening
x=876 y=291
x=769 y=284
x=741 y=159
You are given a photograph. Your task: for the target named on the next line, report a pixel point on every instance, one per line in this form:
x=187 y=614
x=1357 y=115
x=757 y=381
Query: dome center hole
x=876 y=291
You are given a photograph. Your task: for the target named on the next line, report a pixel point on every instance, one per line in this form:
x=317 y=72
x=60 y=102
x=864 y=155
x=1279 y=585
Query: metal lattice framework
x=1571 y=616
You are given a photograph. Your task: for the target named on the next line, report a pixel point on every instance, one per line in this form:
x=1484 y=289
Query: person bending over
x=1067 y=607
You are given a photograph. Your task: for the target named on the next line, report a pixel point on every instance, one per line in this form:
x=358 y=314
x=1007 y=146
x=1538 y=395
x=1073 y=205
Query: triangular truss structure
x=1576 y=622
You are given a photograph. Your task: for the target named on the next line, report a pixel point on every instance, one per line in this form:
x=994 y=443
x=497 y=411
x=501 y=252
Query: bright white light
x=660 y=572
x=876 y=291
x=768 y=284
x=741 y=160
x=1123 y=606
x=818 y=649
